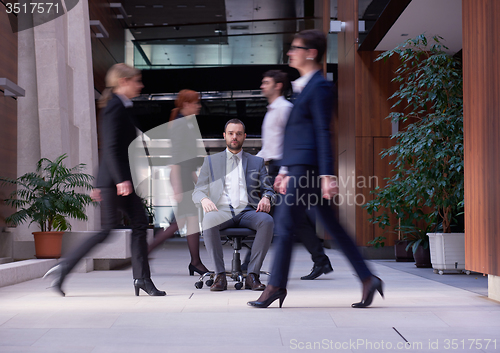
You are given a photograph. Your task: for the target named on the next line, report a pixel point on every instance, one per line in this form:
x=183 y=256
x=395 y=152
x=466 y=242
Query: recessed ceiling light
x=170 y=40
x=165 y=24
x=191 y=40
x=181 y=5
x=140 y=6
x=148 y=24
x=138 y=32
x=218 y=15
x=207 y=40
x=158 y=6
x=200 y=6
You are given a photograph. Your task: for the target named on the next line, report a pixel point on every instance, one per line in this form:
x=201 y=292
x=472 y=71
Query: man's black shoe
x=318 y=271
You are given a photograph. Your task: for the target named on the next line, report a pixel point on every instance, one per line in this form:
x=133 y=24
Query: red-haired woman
x=183 y=175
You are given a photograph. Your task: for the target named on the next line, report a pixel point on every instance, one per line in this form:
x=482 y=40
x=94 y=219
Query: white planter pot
x=447 y=252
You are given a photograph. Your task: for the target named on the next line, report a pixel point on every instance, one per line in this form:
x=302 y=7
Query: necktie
x=235 y=182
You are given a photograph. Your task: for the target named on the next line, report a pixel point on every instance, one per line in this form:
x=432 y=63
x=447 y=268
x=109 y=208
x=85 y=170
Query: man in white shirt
x=274 y=87
x=233 y=188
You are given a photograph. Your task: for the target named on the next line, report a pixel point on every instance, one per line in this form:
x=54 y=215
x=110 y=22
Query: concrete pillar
x=494 y=287
x=84 y=135
x=28 y=129
x=57 y=115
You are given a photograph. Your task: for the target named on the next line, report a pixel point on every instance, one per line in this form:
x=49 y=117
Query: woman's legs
x=162 y=236
x=193 y=240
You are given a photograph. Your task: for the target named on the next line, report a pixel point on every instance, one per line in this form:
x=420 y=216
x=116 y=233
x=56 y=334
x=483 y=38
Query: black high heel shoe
x=193 y=269
x=146 y=284
x=280 y=294
x=59 y=273
x=376 y=285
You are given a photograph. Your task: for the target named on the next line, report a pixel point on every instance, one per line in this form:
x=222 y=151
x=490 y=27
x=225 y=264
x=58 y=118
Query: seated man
x=234 y=190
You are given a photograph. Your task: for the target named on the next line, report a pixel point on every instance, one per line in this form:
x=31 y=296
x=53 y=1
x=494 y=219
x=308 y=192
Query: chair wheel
x=209 y=282
x=238 y=285
x=199 y=285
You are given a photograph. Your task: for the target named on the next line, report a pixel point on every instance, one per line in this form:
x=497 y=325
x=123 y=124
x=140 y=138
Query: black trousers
x=132 y=206
x=306 y=226
x=297 y=199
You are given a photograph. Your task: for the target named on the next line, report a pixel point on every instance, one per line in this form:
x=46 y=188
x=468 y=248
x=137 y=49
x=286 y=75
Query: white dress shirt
x=225 y=199
x=299 y=84
x=273 y=129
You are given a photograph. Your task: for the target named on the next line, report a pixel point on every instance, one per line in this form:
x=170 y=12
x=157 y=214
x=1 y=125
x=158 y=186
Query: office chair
x=236 y=237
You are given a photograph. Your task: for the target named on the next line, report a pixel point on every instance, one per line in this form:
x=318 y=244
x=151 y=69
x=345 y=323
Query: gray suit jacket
x=212 y=180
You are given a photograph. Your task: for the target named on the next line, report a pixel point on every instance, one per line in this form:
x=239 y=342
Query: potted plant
x=418 y=242
x=428 y=155
x=148 y=207
x=448 y=249
x=47 y=197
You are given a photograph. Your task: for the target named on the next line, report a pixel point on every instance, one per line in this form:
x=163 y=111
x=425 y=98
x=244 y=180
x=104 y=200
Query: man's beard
x=237 y=146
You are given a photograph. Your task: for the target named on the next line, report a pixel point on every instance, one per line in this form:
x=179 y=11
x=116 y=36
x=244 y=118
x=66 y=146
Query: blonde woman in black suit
x=114 y=187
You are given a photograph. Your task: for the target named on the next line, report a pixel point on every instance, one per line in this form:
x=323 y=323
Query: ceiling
x=186 y=33
x=432 y=17
x=197 y=33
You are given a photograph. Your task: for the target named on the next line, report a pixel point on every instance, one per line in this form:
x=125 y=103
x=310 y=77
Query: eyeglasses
x=294 y=47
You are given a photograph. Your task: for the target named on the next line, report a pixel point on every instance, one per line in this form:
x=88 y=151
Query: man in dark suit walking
x=307 y=154
x=233 y=188
x=274 y=87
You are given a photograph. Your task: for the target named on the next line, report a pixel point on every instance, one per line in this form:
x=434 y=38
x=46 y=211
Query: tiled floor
x=422 y=312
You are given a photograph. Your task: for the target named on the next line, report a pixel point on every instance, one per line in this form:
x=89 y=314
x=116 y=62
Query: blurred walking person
x=275 y=85
x=307 y=154
x=183 y=134
x=114 y=187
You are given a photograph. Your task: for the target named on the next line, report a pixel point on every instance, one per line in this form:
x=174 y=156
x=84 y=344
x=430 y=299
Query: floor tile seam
x=47 y=330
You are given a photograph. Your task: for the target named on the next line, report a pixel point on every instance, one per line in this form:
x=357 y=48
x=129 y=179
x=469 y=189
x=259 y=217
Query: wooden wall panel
x=364 y=171
x=481 y=44
x=347 y=12
x=106 y=51
x=8 y=110
x=373 y=88
x=364 y=87
x=370 y=173
x=382 y=169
